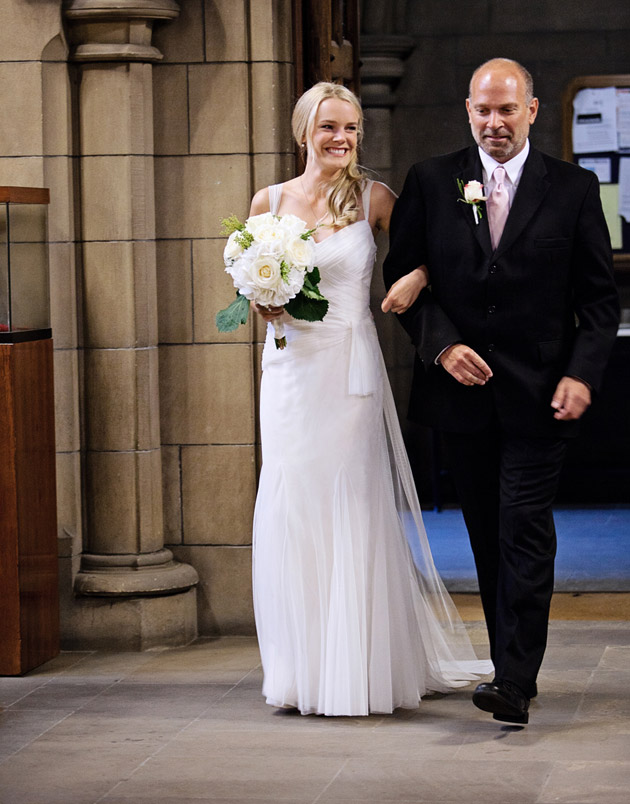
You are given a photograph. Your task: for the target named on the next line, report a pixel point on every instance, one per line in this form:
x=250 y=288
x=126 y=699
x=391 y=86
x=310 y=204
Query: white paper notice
x=624 y=188
x=600 y=165
x=623 y=118
x=595 y=120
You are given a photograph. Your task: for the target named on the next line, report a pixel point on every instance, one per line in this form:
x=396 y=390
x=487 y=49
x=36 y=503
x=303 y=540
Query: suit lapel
x=471 y=170
x=532 y=188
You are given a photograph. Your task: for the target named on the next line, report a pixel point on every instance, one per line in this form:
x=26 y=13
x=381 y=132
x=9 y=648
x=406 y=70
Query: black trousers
x=506 y=486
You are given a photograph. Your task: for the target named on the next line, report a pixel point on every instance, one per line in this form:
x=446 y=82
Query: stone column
x=131 y=593
x=382 y=57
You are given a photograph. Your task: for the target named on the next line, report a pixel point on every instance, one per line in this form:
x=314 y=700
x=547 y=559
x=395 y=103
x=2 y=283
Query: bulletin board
x=596 y=135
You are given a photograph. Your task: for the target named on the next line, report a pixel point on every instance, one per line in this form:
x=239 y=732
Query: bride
x=351 y=615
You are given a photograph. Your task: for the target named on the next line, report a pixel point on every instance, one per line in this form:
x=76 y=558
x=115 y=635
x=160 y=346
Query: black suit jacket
x=541 y=306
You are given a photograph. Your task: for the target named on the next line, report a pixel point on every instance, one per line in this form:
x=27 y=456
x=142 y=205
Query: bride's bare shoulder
x=381 y=205
x=260 y=202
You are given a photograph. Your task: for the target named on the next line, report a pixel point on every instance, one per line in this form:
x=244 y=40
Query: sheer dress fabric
x=351 y=614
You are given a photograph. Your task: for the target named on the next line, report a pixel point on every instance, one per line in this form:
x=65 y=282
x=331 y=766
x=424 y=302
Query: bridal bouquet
x=270 y=259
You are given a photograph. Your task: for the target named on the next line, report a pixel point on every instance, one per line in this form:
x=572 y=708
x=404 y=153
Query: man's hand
x=406 y=290
x=571 y=399
x=465 y=365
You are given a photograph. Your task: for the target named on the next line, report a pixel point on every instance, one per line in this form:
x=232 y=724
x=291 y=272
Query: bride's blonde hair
x=342 y=198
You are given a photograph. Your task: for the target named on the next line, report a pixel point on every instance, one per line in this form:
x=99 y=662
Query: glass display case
x=24 y=286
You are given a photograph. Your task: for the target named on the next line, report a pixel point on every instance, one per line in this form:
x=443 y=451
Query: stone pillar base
x=133 y=575
x=132 y=623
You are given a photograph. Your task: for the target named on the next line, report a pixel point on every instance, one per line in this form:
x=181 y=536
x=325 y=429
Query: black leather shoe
x=504 y=700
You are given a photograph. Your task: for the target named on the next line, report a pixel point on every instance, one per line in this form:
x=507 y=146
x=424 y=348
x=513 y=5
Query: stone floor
x=188 y=725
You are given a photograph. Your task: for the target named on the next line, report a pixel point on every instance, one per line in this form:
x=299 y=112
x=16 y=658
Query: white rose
x=233 y=248
x=254 y=223
x=271 y=235
x=473 y=191
x=265 y=272
x=293 y=225
x=300 y=253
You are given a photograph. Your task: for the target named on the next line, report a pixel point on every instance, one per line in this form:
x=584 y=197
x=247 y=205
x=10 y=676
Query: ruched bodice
x=345 y=260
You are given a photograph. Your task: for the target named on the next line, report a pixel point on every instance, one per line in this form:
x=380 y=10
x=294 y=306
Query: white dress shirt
x=513 y=170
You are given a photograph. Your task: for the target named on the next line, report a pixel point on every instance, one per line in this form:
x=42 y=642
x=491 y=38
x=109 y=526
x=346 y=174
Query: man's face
x=499 y=113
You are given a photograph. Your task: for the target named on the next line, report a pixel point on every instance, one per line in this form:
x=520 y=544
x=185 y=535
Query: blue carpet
x=593 y=549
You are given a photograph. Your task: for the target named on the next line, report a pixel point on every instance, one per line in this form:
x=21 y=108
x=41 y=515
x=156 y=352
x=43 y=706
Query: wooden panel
x=326 y=43
x=36 y=500
x=25 y=195
x=29 y=530
x=10 y=642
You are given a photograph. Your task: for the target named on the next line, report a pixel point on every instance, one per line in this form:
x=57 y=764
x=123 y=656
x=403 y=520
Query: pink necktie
x=498 y=206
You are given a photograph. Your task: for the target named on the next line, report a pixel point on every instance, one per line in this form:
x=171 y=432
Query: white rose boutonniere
x=472 y=193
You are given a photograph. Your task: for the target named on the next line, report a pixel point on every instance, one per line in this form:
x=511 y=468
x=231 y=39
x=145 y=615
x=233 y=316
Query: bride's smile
x=335 y=134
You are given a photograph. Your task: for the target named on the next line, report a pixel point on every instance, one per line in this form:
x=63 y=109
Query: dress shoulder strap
x=365 y=198
x=275 y=193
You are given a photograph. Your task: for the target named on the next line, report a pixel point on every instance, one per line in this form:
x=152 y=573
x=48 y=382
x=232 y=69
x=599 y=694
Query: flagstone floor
x=188 y=725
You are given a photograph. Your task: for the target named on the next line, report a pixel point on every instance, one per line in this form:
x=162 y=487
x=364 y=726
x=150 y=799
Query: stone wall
x=36 y=149
x=555 y=40
x=149 y=121
x=222 y=105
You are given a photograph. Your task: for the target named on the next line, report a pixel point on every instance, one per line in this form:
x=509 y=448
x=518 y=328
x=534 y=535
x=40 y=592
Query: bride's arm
x=406 y=290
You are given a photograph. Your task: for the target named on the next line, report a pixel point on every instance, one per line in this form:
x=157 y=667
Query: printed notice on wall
x=600 y=165
x=595 y=120
x=624 y=188
x=610 y=204
x=623 y=118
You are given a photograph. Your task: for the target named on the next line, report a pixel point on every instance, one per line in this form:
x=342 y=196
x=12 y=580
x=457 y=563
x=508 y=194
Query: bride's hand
x=406 y=290
x=268 y=313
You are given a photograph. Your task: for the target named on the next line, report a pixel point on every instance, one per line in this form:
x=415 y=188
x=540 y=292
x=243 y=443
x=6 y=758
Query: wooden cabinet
x=29 y=607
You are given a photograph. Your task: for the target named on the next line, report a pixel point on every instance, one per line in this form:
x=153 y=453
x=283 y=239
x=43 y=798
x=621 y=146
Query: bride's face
x=334 y=136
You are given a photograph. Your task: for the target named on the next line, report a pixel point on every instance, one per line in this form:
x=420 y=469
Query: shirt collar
x=513 y=167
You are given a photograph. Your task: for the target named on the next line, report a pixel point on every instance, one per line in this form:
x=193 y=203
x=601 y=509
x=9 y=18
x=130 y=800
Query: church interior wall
x=221 y=100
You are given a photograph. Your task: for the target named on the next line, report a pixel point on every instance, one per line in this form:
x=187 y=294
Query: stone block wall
x=222 y=103
x=556 y=41
x=36 y=151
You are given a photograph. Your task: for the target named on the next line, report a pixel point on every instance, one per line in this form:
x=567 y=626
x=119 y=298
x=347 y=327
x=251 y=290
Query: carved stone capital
x=116 y=30
x=382 y=67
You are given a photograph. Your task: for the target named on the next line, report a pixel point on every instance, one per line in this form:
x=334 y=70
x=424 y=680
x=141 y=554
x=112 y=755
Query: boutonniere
x=472 y=193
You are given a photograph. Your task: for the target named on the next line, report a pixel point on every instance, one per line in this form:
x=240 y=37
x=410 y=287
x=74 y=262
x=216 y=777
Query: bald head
x=501 y=107
x=507 y=66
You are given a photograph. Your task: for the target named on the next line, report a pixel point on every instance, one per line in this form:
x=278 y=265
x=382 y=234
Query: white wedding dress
x=351 y=615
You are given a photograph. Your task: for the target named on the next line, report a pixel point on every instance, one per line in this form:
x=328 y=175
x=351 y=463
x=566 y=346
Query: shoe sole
x=499 y=709
x=521 y=719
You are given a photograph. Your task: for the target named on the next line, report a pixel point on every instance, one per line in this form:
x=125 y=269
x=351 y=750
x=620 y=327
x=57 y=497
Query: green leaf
x=311 y=280
x=306 y=308
x=228 y=320
x=313 y=276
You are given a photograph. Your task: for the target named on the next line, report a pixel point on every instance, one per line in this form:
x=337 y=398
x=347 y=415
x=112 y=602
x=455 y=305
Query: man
x=511 y=338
